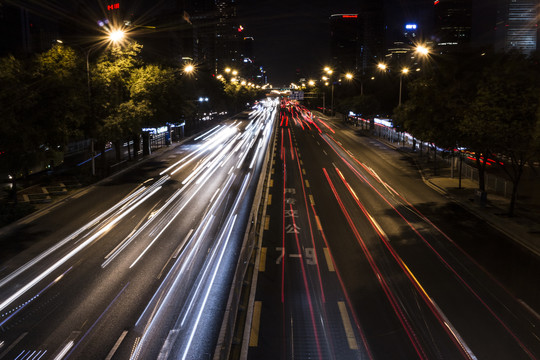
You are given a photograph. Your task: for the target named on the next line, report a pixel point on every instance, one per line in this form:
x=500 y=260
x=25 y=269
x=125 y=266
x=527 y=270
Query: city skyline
x=302 y=41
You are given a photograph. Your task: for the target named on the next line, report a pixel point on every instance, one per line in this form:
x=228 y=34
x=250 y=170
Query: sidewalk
x=523 y=227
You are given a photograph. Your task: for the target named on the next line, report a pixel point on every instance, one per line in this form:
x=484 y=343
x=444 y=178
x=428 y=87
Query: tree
x=239 y=96
x=62 y=96
x=128 y=120
x=161 y=88
x=504 y=116
x=367 y=105
x=110 y=88
x=18 y=135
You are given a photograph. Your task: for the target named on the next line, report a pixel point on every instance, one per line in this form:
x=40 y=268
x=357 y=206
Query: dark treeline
x=487 y=104
x=50 y=99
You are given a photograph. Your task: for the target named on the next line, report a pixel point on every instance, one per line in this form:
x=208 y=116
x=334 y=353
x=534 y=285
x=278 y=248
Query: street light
x=116 y=35
x=329 y=71
x=87 y=52
x=422 y=50
x=404 y=71
x=189 y=68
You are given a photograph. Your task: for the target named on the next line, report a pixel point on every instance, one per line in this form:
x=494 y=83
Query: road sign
x=297 y=95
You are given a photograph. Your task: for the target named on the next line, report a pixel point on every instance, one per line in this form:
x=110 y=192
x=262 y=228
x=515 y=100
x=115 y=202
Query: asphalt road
x=139 y=266
x=361 y=259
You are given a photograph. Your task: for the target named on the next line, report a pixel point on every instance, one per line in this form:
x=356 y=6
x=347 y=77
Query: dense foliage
x=48 y=100
x=489 y=105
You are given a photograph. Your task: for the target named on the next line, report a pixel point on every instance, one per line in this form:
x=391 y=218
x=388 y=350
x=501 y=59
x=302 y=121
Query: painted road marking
x=292 y=229
x=255 y=324
x=304 y=171
x=262 y=260
x=347 y=325
x=267 y=222
x=307 y=183
x=269 y=200
x=311 y=200
x=328 y=259
x=271 y=183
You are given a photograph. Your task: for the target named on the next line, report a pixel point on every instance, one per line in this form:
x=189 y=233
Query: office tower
x=216 y=32
x=517 y=25
x=372 y=22
x=453 y=24
x=345 y=46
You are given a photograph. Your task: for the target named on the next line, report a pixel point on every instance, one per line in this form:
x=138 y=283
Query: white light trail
x=64 y=351
x=68 y=238
x=72 y=253
x=120 y=247
x=208 y=132
x=203 y=305
x=256 y=153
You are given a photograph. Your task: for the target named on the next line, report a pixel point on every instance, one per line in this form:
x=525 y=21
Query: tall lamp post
x=114 y=36
x=330 y=72
x=404 y=71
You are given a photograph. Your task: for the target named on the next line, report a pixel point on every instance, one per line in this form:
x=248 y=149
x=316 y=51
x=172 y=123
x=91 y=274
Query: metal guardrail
x=493 y=183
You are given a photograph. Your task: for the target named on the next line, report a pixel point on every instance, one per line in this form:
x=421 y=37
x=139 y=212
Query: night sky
x=296 y=35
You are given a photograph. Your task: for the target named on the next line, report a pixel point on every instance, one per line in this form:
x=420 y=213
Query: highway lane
x=413 y=291
x=108 y=282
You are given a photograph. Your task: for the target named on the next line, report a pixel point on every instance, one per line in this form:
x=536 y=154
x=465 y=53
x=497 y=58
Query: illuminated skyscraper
x=453 y=24
x=372 y=22
x=217 y=33
x=357 y=40
x=517 y=25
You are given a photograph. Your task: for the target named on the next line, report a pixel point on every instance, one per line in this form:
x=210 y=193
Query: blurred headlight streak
x=68 y=238
x=73 y=252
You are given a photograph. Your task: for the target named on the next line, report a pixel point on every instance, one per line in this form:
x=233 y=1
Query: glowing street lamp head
x=227 y=70
x=381 y=66
x=117 y=35
x=422 y=50
x=234 y=72
x=189 y=68
x=311 y=82
x=405 y=71
x=349 y=76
